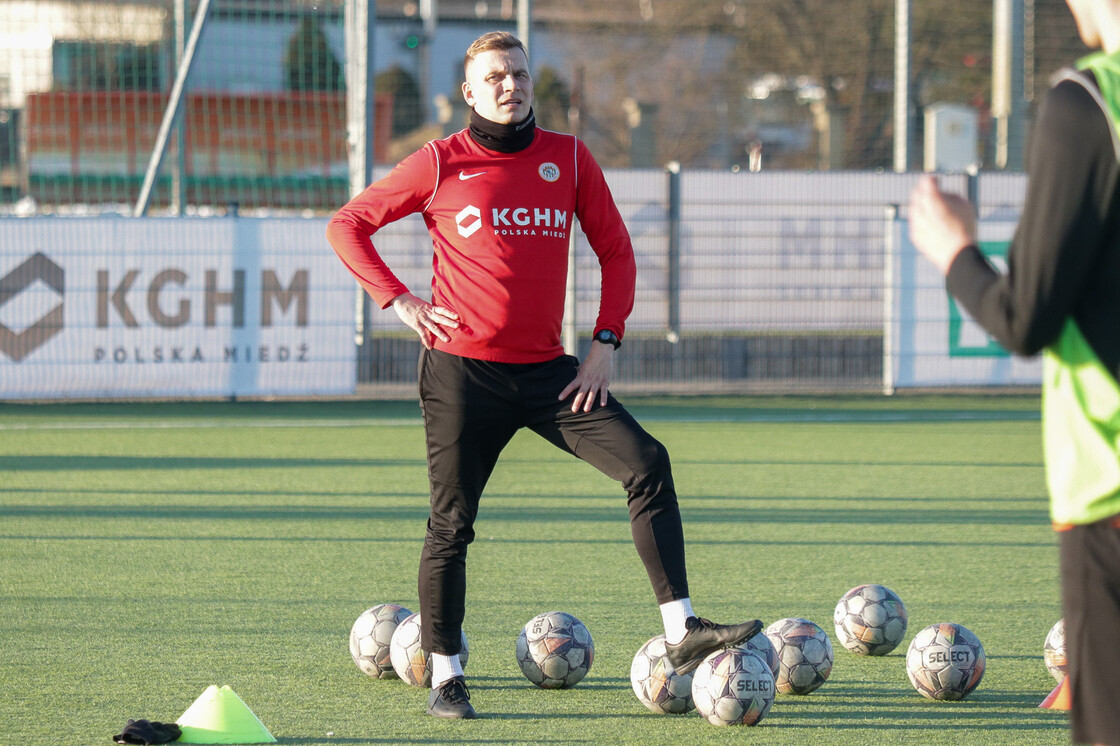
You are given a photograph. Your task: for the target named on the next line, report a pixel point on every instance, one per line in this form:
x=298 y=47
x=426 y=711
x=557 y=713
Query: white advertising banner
x=930 y=339
x=115 y=307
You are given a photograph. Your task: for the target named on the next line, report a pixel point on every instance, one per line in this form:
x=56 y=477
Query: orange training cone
x=1059 y=698
x=219 y=716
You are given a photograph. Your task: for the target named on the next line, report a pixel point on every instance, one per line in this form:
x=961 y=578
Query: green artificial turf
x=150 y=550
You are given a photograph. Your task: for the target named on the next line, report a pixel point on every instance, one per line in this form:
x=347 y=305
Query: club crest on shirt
x=550 y=172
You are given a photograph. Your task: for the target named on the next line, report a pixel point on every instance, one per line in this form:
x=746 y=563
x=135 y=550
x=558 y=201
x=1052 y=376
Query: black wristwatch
x=607 y=337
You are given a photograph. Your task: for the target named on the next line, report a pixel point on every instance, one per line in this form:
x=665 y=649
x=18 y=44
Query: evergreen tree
x=552 y=100
x=309 y=61
x=407 y=111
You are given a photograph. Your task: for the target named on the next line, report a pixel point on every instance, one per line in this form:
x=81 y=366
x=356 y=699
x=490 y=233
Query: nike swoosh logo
x=463 y=176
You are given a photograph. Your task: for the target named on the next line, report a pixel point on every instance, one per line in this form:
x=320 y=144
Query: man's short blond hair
x=500 y=40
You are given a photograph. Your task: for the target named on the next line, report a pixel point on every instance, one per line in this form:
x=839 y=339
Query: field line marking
x=188 y=424
x=686 y=418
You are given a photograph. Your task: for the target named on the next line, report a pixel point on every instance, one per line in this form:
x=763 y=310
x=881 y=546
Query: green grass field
x=150 y=550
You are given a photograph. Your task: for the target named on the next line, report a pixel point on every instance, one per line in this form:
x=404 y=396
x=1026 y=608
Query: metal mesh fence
x=764 y=272
x=774 y=282
x=85 y=86
x=712 y=84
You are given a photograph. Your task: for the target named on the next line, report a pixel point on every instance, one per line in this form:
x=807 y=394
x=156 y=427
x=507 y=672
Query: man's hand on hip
x=593 y=377
x=426 y=320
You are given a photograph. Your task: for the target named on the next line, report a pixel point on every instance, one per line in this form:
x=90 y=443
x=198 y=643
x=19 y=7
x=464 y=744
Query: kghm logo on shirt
x=525 y=221
x=550 y=172
x=514 y=221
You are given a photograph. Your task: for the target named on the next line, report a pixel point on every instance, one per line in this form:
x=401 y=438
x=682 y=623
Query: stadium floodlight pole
x=360 y=22
x=902 y=86
x=1008 y=101
x=429 y=15
x=525 y=22
x=171 y=113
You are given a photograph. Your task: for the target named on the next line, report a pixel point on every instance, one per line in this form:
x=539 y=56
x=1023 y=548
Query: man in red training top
x=500 y=199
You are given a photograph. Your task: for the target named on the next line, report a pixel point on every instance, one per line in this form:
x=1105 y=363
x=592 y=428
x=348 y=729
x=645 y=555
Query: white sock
x=673 y=615
x=445 y=667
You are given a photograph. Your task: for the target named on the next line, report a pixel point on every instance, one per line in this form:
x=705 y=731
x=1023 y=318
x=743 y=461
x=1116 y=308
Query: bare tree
x=698 y=62
x=669 y=57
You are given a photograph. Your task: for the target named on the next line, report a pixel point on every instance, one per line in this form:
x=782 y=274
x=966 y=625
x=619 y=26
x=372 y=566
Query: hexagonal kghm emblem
x=468 y=221
x=19 y=345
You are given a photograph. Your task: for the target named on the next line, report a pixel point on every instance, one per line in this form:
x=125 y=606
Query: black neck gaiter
x=504 y=138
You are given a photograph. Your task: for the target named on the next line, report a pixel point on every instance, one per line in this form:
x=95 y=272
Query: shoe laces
x=454 y=691
x=701 y=623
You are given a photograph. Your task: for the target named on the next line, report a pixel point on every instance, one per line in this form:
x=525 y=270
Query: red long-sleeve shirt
x=500 y=225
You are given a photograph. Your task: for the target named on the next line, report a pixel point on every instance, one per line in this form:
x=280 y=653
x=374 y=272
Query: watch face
x=606 y=336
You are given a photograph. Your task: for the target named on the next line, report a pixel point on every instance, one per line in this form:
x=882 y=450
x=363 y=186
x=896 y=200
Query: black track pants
x=472 y=408
x=1090 y=562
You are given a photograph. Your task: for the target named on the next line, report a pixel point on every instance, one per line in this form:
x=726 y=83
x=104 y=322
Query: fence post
x=673 y=284
x=571 y=297
x=179 y=167
x=973 y=174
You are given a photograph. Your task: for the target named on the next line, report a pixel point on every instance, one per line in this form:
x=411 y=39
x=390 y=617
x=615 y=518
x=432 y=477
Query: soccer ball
x=733 y=687
x=411 y=662
x=1054 y=651
x=555 y=650
x=870 y=620
x=804 y=655
x=656 y=683
x=945 y=661
x=370 y=637
x=761 y=646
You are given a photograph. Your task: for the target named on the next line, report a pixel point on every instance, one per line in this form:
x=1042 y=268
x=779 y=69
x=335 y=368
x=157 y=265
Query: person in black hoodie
x=1060 y=297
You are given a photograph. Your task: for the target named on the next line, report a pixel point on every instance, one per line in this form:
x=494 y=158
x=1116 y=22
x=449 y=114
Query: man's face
x=498 y=85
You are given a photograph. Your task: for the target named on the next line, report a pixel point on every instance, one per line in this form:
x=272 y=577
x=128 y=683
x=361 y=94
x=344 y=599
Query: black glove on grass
x=148 y=732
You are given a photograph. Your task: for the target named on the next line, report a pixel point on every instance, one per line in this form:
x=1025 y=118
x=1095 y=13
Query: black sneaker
x=451 y=700
x=703 y=638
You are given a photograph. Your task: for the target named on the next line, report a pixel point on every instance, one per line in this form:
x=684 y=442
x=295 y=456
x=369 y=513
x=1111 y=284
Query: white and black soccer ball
x=870 y=620
x=945 y=661
x=370 y=636
x=761 y=646
x=1054 y=651
x=804 y=655
x=555 y=650
x=733 y=687
x=656 y=683
x=411 y=662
